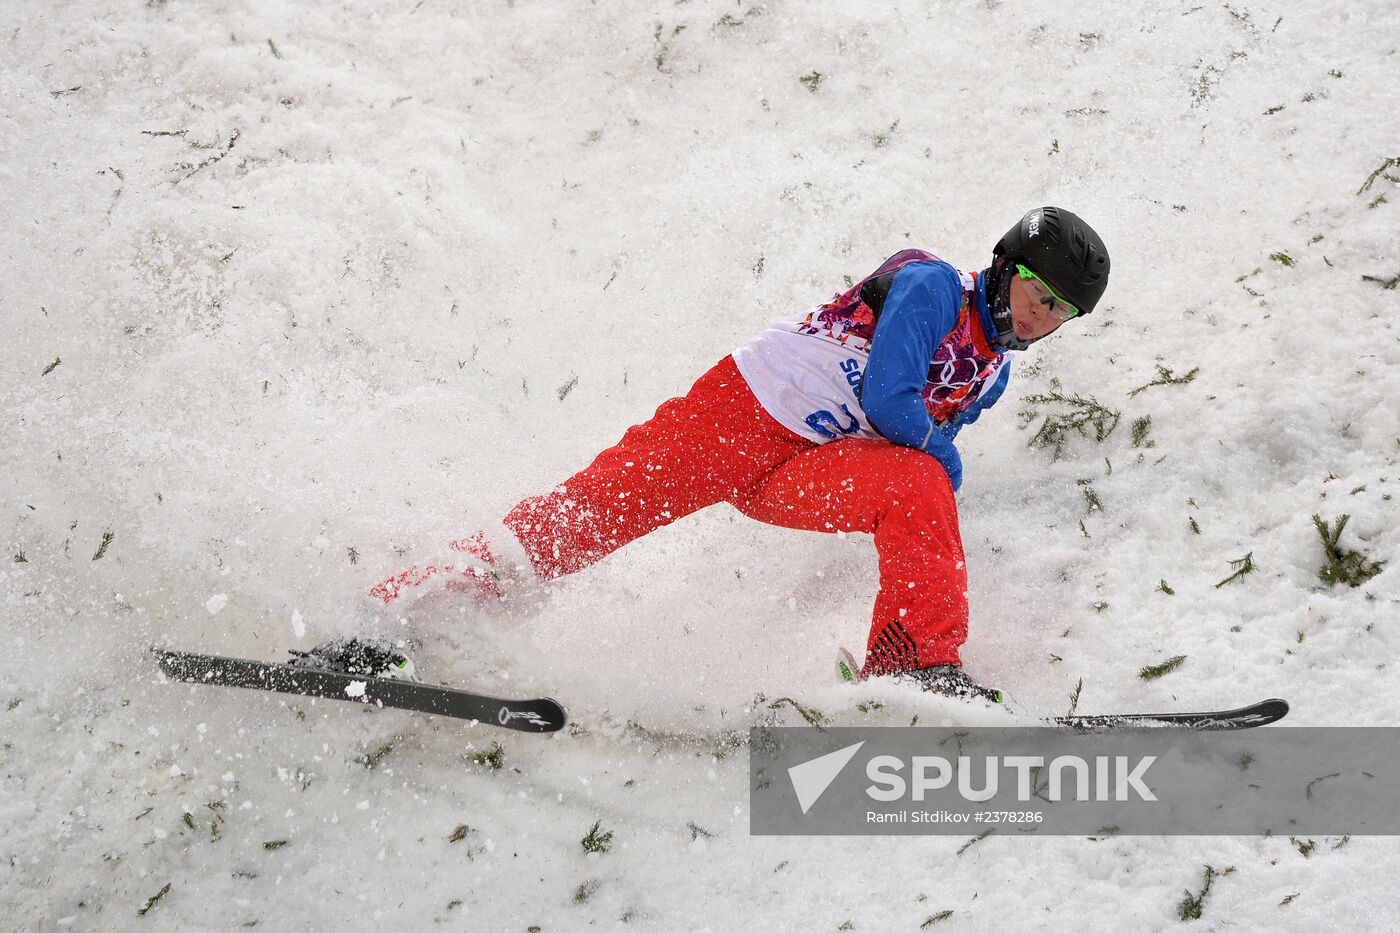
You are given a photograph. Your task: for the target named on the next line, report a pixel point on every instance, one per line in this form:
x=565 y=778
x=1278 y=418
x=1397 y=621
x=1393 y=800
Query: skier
x=841 y=420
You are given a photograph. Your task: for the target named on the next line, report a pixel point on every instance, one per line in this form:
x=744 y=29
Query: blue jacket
x=921 y=359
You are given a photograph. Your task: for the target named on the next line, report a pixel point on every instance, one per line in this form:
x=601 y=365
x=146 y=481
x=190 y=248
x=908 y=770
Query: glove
x=947 y=455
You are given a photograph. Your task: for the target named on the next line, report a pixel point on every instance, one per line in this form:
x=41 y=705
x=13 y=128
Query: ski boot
x=950 y=680
x=370 y=657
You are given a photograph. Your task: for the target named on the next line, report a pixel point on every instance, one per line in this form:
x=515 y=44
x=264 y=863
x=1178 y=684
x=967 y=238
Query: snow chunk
x=356 y=689
x=216 y=603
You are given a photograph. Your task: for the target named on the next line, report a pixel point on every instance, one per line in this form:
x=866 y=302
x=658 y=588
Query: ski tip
x=560 y=719
x=539 y=715
x=846 y=667
x=1266 y=711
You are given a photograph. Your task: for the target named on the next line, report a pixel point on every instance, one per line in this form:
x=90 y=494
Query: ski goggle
x=1059 y=308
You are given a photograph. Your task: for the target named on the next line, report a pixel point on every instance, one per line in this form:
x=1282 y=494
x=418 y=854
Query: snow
x=294 y=293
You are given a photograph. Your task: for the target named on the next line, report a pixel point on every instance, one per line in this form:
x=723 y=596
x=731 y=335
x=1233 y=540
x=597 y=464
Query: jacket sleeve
x=918 y=315
x=986 y=400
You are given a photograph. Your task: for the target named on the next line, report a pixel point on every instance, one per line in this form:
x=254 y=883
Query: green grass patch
x=1242 y=566
x=1075 y=414
x=107 y=537
x=814 y=716
x=153 y=900
x=1153 y=671
x=1341 y=565
x=974 y=840
x=1165 y=377
x=491 y=759
x=1192 y=905
x=372 y=759
x=1141 y=426
x=597 y=840
x=1382 y=170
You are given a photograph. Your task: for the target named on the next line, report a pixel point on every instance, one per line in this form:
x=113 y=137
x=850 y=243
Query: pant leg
x=697 y=450
x=903 y=497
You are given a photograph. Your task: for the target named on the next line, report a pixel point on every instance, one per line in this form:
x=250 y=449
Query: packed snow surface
x=293 y=292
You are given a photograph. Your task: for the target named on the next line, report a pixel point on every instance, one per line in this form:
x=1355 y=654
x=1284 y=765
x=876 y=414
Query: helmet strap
x=999 y=304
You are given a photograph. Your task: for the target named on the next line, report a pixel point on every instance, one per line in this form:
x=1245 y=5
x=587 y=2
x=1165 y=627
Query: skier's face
x=1031 y=317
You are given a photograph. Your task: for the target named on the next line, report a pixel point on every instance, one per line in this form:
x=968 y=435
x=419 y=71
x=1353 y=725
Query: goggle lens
x=1060 y=309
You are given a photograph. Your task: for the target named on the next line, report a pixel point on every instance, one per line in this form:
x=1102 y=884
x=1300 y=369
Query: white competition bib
x=806 y=381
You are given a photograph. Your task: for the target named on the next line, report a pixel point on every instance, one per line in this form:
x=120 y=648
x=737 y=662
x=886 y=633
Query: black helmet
x=1062 y=249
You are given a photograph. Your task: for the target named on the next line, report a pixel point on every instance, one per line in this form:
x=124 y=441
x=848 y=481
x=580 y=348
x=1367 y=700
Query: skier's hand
x=947 y=455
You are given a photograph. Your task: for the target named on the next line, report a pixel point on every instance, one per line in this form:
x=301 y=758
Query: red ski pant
x=717 y=444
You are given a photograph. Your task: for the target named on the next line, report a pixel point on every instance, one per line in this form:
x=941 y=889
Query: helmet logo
x=1033 y=224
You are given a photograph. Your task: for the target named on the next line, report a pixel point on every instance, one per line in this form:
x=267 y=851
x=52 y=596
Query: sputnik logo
x=811 y=778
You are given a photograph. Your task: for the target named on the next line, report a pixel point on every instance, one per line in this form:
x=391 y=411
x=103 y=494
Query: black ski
x=535 y=715
x=1246 y=717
